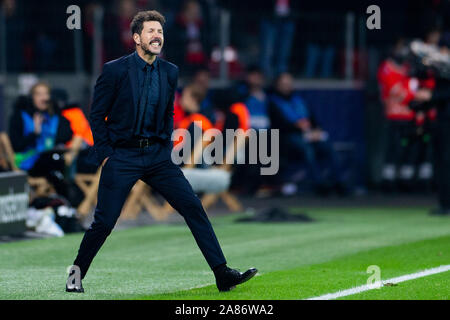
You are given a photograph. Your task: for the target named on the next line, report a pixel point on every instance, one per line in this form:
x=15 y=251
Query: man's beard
x=147 y=51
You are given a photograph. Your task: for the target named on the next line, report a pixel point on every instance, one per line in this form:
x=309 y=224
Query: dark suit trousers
x=154 y=166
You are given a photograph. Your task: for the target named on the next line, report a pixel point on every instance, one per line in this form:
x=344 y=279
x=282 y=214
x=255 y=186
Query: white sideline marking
x=367 y=287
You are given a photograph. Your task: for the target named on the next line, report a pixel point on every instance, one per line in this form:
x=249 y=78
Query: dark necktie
x=143 y=101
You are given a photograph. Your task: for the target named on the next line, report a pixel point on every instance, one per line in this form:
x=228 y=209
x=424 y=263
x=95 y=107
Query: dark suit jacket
x=116 y=96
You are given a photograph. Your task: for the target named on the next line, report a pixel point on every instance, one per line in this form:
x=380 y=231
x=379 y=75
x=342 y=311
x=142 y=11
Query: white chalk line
x=367 y=287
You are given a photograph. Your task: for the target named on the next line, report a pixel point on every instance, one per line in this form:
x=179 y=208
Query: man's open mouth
x=155 y=43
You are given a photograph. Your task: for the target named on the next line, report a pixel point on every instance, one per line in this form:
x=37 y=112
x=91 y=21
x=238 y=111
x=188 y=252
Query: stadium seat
x=209 y=199
x=88 y=183
x=39 y=185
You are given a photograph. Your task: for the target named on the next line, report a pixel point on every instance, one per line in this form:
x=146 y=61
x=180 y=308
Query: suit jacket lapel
x=162 y=96
x=132 y=74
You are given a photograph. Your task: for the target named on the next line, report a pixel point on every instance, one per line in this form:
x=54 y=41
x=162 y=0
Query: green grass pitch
x=295 y=261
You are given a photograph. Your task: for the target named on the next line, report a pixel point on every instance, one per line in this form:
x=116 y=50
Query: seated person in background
x=255 y=98
x=230 y=111
x=82 y=135
x=186 y=111
x=251 y=91
x=298 y=131
x=201 y=81
x=216 y=106
x=187 y=107
x=38 y=134
x=187 y=104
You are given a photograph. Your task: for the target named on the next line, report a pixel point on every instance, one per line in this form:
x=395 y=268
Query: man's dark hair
x=138 y=21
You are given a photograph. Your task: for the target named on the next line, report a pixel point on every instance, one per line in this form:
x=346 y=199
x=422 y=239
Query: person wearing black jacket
x=136 y=94
x=440 y=96
x=38 y=134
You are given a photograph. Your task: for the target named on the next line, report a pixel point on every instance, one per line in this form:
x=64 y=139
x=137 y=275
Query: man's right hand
x=104 y=161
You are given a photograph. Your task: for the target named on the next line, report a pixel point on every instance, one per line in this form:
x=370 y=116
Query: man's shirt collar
x=141 y=63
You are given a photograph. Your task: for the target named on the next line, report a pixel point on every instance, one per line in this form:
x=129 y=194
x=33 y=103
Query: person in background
x=439 y=96
x=231 y=112
x=426 y=119
x=118 y=26
x=398 y=89
x=255 y=98
x=277 y=34
x=190 y=45
x=38 y=136
x=82 y=139
x=290 y=115
x=189 y=102
x=425 y=126
x=223 y=107
x=201 y=80
x=74 y=114
x=187 y=112
x=251 y=92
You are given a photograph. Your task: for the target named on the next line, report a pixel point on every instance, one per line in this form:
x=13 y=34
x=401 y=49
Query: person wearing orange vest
x=78 y=123
x=81 y=128
x=187 y=112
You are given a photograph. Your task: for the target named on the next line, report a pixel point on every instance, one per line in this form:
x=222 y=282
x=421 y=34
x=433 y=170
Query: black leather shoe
x=74 y=287
x=228 y=278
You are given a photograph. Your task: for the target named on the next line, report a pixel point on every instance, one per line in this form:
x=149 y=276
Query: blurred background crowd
x=342 y=95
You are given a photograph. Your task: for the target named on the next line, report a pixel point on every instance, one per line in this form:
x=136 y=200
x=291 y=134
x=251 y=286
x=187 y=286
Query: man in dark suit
x=135 y=95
